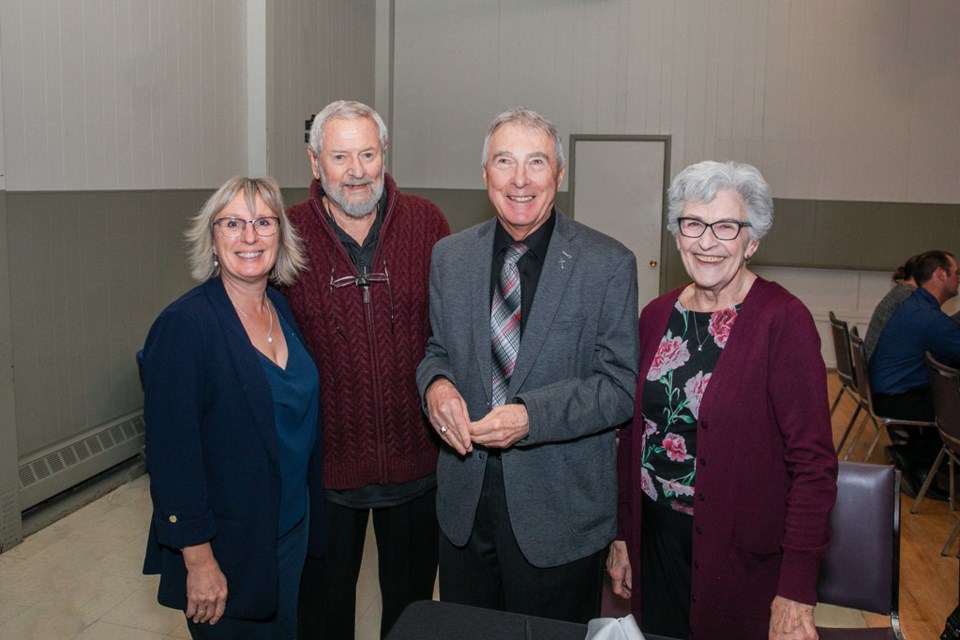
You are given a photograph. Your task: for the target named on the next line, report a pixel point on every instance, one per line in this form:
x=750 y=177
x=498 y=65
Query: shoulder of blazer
x=588 y=237
x=467 y=239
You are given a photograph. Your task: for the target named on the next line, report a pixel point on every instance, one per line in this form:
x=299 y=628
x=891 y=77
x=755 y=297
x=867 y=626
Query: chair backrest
x=862 y=566
x=840 y=331
x=859 y=353
x=945 y=385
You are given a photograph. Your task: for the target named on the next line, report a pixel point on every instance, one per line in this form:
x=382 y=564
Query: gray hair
x=527 y=118
x=700 y=183
x=345 y=110
x=290 y=256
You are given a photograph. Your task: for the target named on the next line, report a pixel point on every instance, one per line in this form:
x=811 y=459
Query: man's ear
x=314 y=163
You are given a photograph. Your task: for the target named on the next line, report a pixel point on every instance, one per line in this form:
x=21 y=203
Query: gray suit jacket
x=576 y=372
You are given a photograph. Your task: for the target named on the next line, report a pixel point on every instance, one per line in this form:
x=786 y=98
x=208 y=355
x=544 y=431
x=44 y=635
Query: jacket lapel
x=249 y=371
x=479 y=294
x=558 y=266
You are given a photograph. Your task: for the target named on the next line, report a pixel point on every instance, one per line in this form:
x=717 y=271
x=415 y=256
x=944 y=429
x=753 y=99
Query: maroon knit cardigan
x=766 y=467
x=374 y=430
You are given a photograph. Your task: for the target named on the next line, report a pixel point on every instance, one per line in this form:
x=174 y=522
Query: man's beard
x=349 y=207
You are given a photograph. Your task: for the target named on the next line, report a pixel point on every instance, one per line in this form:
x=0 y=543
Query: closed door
x=618 y=187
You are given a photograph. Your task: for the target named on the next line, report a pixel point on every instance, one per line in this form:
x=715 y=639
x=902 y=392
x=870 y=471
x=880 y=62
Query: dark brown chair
x=863 y=388
x=945 y=384
x=862 y=566
x=840 y=331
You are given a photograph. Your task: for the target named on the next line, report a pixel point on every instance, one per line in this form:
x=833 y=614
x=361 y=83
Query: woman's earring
x=216 y=262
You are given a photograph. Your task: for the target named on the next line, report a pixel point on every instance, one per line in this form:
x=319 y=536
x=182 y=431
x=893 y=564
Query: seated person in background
x=898 y=374
x=904 y=287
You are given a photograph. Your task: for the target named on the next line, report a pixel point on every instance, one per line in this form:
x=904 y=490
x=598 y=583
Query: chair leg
x=930 y=476
x=953 y=536
x=952 y=463
x=873 y=443
x=850 y=424
x=836 y=401
x=856 y=437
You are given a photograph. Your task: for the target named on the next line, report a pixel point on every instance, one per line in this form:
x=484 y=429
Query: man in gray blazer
x=531 y=367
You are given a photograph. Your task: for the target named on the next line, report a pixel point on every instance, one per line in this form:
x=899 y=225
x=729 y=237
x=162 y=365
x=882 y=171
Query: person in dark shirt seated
x=898 y=375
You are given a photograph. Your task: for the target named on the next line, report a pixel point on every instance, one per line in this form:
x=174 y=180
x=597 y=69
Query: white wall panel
x=833 y=99
x=122 y=94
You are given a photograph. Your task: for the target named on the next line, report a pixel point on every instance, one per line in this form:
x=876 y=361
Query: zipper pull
x=366 y=295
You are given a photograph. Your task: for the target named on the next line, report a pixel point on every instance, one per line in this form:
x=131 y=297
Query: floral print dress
x=674 y=386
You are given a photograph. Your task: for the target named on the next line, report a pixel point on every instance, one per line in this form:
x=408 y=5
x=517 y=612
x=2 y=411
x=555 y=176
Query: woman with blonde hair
x=232 y=411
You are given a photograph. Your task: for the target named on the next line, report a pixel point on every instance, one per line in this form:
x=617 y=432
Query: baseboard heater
x=68 y=463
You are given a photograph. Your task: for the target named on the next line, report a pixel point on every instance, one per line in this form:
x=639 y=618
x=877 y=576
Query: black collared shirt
x=530 y=265
x=363 y=255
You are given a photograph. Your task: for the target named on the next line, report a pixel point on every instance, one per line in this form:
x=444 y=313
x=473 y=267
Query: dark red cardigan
x=766 y=466
x=374 y=430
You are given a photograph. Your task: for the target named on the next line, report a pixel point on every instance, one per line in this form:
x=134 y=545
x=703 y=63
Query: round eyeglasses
x=234 y=227
x=722 y=229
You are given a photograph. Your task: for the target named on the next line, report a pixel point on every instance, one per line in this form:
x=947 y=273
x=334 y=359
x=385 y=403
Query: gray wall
x=117 y=117
x=832 y=99
x=89 y=271
x=317 y=52
x=118 y=120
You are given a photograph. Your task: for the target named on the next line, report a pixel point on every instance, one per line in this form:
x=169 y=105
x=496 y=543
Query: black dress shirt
x=363 y=255
x=530 y=264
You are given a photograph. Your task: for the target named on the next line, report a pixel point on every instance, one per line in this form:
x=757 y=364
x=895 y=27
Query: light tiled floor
x=80 y=579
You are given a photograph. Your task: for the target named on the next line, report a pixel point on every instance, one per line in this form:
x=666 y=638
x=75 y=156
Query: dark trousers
x=492 y=572
x=291 y=549
x=920 y=446
x=666 y=555
x=407 y=561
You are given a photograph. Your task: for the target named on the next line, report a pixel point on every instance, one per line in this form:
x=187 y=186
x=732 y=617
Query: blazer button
x=700 y=495
x=696 y=564
x=703 y=462
x=703 y=425
x=699 y=531
x=172 y=519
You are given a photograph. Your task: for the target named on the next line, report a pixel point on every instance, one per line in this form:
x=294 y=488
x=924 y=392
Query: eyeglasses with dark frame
x=232 y=227
x=721 y=229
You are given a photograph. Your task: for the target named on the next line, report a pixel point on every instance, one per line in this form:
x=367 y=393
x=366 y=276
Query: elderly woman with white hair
x=232 y=405
x=728 y=474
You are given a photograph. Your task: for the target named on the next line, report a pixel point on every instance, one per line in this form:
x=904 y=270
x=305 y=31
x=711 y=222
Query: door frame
x=665 y=140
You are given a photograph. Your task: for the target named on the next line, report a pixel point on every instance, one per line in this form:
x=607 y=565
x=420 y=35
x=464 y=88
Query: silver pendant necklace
x=266 y=301
x=696 y=328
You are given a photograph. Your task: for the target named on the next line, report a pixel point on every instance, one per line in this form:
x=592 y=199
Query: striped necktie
x=505 y=322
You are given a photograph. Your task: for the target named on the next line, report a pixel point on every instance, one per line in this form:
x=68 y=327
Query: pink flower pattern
x=671 y=354
x=672 y=488
x=649 y=427
x=676 y=447
x=694 y=389
x=673 y=395
x=721 y=324
x=646 y=483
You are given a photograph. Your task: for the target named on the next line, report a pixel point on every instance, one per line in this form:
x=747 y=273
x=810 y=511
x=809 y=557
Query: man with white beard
x=363 y=306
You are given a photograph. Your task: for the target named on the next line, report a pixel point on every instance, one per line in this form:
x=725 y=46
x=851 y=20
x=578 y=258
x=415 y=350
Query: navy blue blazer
x=212 y=452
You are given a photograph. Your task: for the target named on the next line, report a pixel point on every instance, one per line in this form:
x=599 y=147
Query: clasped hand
x=501 y=428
